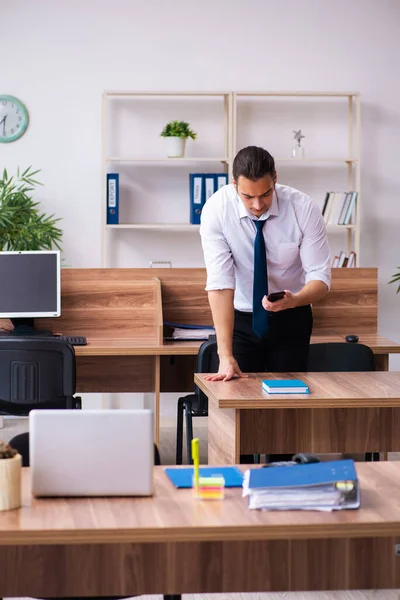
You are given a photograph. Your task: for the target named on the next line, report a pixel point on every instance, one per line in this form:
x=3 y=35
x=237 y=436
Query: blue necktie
x=260 y=283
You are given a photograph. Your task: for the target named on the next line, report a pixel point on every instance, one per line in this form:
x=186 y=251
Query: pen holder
x=209 y=488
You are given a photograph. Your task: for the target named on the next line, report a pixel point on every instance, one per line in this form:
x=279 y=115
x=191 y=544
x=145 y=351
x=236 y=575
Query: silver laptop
x=91 y=452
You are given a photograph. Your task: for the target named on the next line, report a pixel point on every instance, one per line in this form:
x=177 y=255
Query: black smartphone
x=275 y=296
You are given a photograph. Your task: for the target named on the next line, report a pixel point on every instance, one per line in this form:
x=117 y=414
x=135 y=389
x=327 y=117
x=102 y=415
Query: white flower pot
x=10 y=482
x=175 y=147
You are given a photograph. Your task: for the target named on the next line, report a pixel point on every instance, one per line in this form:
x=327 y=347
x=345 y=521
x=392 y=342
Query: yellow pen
x=196 y=460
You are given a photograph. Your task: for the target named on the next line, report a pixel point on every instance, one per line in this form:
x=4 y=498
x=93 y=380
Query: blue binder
x=112 y=198
x=221 y=179
x=197 y=192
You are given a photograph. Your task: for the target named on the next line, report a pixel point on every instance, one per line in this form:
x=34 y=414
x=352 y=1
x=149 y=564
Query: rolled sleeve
x=314 y=248
x=217 y=253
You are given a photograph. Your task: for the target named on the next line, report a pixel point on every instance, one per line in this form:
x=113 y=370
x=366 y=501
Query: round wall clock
x=14 y=118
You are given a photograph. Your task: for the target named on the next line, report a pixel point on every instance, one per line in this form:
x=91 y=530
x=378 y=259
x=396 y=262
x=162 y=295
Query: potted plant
x=10 y=477
x=22 y=225
x=176 y=134
x=396 y=279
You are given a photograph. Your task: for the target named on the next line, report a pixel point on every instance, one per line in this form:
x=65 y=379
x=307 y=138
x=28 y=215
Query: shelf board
x=176 y=227
x=171 y=161
x=304 y=94
x=336 y=226
x=166 y=93
x=316 y=160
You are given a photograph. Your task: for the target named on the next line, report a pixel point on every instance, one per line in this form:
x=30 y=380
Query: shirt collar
x=273 y=210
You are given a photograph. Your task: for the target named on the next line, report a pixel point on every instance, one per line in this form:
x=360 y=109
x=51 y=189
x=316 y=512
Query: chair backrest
x=35 y=373
x=340 y=357
x=207 y=362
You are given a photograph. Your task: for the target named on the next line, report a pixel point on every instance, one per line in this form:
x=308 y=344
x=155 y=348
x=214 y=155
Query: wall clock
x=14 y=118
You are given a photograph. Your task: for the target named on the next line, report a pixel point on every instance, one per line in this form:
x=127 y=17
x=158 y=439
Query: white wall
x=58 y=57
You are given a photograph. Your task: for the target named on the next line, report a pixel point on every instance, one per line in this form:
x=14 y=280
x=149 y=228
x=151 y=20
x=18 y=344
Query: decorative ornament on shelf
x=298 y=149
x=10 y=477
x=176 y=134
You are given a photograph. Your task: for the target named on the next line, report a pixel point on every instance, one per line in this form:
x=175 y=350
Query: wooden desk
x=344 y=412
x=173 y=544
x=121 y=313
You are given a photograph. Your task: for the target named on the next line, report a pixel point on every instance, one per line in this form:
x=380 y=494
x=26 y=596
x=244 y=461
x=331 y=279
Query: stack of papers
x=285 y=386
x=323 y=486
x=176 y=331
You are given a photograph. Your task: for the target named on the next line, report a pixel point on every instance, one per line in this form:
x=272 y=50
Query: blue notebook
x=285 y=386
x=303 y=475
x=182 y=478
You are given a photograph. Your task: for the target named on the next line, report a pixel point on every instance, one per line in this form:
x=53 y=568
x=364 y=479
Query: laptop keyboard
x=74 y=340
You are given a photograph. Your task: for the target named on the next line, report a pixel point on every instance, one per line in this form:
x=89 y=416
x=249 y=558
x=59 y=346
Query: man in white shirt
x=295 y=260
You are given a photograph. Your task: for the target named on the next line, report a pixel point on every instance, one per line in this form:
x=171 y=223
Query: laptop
x=91 y=452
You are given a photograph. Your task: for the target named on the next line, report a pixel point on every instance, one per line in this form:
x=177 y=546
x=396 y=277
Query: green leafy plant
x=178 y=129
x=396 y=279
x=22 y=225
x=6 y=451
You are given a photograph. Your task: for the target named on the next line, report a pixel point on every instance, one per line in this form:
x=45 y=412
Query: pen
x=196 y=459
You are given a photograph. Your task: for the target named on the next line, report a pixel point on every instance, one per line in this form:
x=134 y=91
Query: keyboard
x=74 y=340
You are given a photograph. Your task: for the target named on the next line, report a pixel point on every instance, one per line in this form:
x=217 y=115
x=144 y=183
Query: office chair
x=196 y=404
x=35 y=373
x=342 y=357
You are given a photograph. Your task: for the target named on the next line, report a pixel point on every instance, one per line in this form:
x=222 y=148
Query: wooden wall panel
x=115 y=374
x=207 y=567
x=319 y=430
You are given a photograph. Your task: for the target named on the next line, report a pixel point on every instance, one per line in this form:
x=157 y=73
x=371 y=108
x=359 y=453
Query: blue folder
x=300 y=476
x=182 y=478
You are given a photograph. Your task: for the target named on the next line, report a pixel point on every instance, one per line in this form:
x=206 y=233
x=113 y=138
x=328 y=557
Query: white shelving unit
x=350 y=158
x=113 y=160
x=231 y=123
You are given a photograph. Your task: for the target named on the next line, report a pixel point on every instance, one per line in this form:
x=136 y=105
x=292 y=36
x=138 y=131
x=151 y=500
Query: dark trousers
x=284 y=349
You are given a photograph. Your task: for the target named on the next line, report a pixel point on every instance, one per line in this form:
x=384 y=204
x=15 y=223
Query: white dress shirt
x=295 y=240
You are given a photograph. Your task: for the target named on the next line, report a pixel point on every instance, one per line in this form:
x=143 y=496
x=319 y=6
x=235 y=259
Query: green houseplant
x=396 y=279
x=10 y=477
x=22 y=225
x=176 y=134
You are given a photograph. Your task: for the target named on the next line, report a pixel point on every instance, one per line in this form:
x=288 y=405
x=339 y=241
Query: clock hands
x=3 y=122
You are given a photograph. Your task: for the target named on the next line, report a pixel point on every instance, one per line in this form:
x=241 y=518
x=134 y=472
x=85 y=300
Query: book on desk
x=285 y=386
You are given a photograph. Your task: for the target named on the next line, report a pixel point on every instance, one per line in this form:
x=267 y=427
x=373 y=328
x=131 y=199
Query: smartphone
x=275 y=296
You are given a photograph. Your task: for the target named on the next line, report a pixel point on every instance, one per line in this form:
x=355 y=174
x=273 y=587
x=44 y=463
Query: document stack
x=176 y=331
x=323 y=486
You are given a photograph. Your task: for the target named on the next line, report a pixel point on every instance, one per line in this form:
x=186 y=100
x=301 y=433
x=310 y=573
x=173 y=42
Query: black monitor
x=29 y=288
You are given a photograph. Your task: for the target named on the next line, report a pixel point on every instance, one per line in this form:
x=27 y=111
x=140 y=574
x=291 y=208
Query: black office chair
x=35 y=373
x=342 y=357
x=196 y=404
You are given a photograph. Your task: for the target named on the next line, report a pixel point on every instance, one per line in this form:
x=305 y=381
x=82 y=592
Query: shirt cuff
x=318 y=276
x=222 y=283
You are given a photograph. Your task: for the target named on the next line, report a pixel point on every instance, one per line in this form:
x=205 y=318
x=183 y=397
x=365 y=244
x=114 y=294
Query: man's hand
x=288 y=301
x=228 y=369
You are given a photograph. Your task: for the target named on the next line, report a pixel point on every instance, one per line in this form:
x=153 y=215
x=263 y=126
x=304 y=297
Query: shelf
x=336 y=226
x=304 y=94
x=176 y=227
x=133 y=94
x=174 y=161
x=316 y=160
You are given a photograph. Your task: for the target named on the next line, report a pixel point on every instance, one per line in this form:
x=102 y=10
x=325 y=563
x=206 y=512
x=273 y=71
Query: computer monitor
x=29 y=288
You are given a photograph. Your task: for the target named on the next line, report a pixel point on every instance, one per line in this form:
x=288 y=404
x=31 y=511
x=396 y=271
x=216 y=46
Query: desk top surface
x=327 y=390
x=174 y=515
x=109 y=346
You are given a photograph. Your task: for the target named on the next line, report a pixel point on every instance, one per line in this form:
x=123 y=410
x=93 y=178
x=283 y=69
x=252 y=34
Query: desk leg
x=157 y=378
x=381 y=362
x=223 y=435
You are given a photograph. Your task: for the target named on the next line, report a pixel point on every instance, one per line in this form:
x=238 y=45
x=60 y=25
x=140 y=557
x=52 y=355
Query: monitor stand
x=24 y=327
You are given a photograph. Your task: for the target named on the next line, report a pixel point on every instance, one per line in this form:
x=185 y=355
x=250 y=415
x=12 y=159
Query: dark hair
x=253 y=163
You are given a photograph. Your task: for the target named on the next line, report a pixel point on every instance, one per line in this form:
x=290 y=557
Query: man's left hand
x=288 y=301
